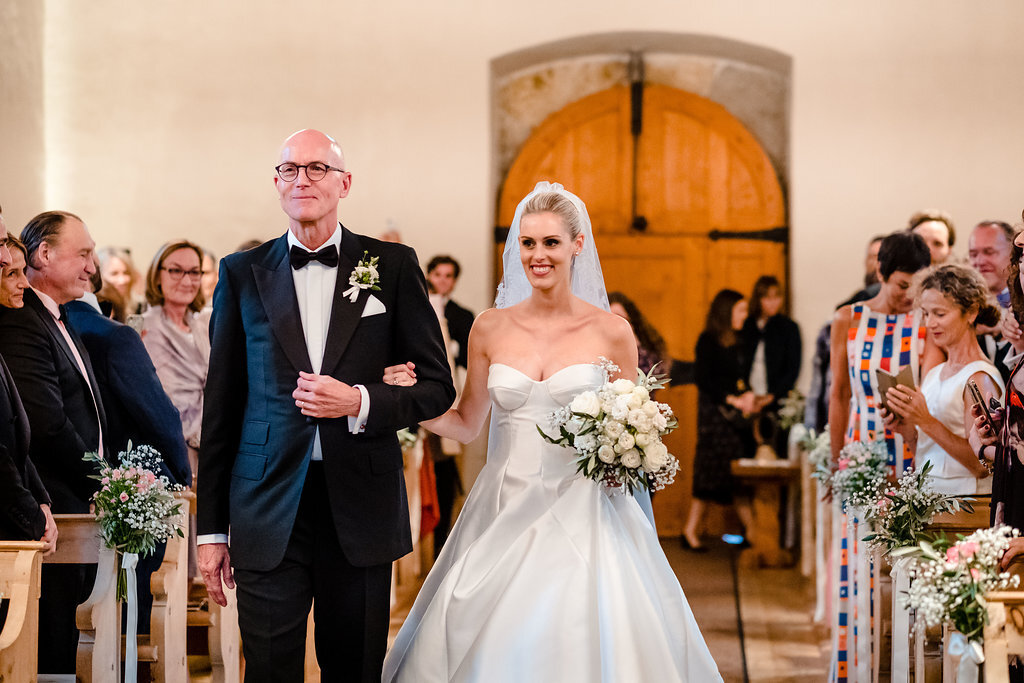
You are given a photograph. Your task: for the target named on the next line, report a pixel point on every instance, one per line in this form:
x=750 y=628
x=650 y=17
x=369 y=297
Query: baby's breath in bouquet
x=135 y=508
x=904 y=510
x=949 y=579
x=860 y=474
x=819 y=454
x=616 y=431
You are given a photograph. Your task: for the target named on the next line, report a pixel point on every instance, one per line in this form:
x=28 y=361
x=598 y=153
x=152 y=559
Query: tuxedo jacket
x=256 y=443
x=21 y=489
x=137 y=407
x=64 y=419
x=460 y=322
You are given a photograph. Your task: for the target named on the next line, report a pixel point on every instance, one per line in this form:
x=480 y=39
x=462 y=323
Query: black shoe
x=689 y=546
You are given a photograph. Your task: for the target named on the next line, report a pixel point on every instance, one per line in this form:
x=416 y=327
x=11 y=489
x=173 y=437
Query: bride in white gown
x=547 y=575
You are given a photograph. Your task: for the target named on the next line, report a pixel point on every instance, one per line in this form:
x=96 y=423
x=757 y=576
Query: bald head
x=310 y=138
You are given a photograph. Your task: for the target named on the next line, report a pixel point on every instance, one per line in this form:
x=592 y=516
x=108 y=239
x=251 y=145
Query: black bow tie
x=300 y=258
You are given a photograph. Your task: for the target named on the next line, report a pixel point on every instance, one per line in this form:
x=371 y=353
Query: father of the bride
x=299 y=461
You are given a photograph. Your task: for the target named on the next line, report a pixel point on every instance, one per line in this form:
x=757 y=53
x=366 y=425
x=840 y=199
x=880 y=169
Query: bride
x=546 y=576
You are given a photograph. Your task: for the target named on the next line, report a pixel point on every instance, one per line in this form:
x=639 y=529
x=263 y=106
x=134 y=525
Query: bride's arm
x=622 y=346
x=465 y=419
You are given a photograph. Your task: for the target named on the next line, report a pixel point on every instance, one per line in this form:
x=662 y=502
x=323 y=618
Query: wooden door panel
x=698 y=170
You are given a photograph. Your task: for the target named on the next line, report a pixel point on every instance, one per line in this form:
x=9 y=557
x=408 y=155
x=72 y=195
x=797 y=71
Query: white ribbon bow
x=971 y=656
x=131 y=654
x=900 y=622
x=353 y=292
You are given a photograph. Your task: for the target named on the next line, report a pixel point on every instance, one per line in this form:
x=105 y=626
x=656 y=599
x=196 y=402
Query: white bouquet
x=860 y=475
x=950 y=579
x=616 y=431
x=819 y=454
x=901 y=514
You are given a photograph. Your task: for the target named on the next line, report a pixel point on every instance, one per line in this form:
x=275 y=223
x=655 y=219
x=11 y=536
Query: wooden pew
x=220 y=626
x=99 y=617
x=20 y=569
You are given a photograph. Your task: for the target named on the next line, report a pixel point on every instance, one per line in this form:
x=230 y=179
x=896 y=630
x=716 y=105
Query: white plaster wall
x=163 y=119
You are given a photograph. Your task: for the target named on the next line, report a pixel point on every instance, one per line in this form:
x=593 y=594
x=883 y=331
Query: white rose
x=619 y=409
x=650 y=408
x=644 y=424
x=659 y=422
x=643 y=439
x=631 y=458
x=642 y=392
x=606 y=454
x=587 y=442
x=634 y=416
x=613 y=429
x=634 y=401
x=622 y=386
x=586 y=403
x=626 y=441
x=656 y=455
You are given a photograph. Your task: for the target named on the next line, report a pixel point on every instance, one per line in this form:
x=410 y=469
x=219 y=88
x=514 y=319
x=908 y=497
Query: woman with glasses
x=178 y=341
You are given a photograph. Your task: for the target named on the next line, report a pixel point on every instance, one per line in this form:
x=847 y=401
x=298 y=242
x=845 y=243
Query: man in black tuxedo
x=51 y=369
x=299 y=457
x=442 y=274
x=24 y=503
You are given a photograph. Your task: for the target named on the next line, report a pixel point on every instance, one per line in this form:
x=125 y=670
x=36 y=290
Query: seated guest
x=935 y=418
x=138 y=410
x=24 y=502
x=935 y=227
x=58 y=389
x=178 y=341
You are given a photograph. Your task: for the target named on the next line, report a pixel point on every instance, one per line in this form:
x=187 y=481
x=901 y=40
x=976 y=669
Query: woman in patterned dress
x=882 y=333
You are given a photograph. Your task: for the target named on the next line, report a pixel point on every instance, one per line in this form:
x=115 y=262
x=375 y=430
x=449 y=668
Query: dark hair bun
x=988 y=315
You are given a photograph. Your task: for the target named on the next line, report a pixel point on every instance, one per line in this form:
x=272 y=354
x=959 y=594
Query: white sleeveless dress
x=546 y=576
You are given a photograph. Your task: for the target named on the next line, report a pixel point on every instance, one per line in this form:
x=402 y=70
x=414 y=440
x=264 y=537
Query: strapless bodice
x=513 y=390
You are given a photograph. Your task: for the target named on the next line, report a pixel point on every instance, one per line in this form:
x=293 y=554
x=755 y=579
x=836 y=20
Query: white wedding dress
x=547 y=576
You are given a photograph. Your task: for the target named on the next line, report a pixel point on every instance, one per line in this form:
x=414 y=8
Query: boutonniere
x=364 y=276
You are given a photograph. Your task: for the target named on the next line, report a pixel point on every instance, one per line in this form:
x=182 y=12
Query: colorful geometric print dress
x=876 y=342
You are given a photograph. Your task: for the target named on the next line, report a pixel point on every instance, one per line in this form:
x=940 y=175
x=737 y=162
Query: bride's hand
x=403 y=375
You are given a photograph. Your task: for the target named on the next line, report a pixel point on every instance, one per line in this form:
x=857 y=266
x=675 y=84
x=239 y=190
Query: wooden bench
x=1004 y=635
x=20 y=570
x=220 y=628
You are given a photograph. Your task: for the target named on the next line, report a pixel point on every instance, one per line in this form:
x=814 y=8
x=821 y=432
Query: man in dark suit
x=299 y=456
x=137 y=407
x=442 y=274
x=24 y=503
x=51 y=369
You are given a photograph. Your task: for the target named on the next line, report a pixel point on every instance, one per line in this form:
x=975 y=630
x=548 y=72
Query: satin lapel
x=345 y=314
x=277 y=292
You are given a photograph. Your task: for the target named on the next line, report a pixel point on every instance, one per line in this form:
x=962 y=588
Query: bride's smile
x=546 y=248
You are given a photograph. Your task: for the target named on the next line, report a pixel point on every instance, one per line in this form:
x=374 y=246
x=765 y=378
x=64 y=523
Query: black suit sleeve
x=222 y=419
x=712 y=369
x=56 y=443
x=133 y=378
x=417 y=339
x=21 y=516
x=793 y=349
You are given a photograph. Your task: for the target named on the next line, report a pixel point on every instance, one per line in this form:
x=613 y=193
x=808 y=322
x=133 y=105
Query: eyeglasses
x=314 y=171
x=178 y=273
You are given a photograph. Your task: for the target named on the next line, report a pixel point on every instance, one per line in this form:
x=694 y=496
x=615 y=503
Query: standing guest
x=442 y=274
x=882 y=333
x=300 y=456
x=871 y=283
x=650 y=345
x=935 y=227
x=24 y=503
x=935 y=418
x=138 y=410
x=51 y=369
x=724 y=403
x=772 y=342
x=988 y=250
x=118 y=271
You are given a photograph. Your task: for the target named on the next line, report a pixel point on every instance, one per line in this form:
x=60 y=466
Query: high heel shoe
x=685 y=542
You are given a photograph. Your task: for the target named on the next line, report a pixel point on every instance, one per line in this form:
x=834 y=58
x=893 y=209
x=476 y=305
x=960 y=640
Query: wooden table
x=766 y=478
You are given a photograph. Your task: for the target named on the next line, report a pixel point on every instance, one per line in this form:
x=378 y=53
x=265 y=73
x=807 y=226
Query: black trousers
x=351 y=604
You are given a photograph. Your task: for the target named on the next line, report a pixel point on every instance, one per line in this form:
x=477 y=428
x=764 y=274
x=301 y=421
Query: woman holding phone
x=934 y=420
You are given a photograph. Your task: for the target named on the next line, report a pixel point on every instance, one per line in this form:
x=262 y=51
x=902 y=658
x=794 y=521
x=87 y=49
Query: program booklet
x=886 y=381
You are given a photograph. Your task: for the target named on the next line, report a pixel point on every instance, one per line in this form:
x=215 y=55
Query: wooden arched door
x=715 y=218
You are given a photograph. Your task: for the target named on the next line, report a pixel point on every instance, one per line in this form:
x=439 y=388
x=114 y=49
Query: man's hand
x=1012 y=333
x=323 y=396
x=50 y=535
x=215 y=565
x=403 y=375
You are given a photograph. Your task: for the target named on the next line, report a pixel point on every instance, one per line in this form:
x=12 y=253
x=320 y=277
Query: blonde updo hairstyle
x=964 y=287
x=561 y=206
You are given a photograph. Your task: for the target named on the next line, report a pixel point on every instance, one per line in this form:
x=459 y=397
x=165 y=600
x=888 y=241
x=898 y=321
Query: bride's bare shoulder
x=615 y=327
x=490 y=320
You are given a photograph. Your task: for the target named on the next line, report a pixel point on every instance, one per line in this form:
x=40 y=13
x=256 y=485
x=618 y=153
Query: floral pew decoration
x=948 y=582
x=136 y=510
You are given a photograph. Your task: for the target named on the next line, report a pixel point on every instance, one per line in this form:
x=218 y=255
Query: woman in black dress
x=724 y=403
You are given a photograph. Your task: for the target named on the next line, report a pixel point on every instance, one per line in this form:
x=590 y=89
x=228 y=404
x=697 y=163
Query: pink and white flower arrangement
x=860 y=475
x=135 y=507
x=616 y=431
x=949 y=579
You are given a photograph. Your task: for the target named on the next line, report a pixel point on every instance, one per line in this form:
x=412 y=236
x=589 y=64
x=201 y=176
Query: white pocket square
x=374 y=306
